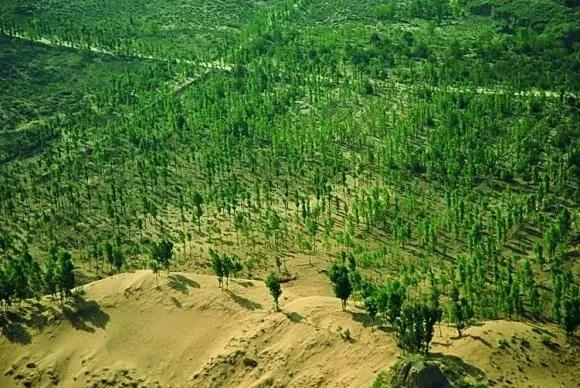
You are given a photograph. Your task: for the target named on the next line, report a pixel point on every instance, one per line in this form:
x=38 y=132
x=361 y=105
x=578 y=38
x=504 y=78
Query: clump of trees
x=114 y=256
x=224 y=266
x=23 y=278
x=412 y=319
x=415 y=326
x=566 y=302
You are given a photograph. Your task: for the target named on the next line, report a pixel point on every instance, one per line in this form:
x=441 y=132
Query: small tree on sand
x=217 y=266
x=340 y=283
x=461 y=312
x=273 y=284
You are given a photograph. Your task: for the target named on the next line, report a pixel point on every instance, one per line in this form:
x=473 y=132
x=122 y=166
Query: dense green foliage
x=23 y=278
x=437 y=142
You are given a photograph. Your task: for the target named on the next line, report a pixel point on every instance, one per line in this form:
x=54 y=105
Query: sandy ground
x=124 y=331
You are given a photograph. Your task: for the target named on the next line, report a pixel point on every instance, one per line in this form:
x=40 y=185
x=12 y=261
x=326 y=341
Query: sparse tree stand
x=224 y=266
x=273 y=284
x=340 y=283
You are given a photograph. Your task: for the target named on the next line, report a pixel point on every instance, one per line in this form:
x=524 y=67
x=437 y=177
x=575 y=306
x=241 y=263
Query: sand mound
x=123 y=331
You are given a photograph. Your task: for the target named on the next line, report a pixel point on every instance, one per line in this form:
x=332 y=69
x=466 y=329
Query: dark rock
x=415 y=373
x=250 y=362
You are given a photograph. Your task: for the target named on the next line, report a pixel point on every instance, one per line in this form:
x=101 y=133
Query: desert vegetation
x=421 y=156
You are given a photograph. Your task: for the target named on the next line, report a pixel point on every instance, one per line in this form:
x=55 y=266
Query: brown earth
x=124 y=331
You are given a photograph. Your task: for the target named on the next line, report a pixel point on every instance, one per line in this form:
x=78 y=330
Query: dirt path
x=222 y=65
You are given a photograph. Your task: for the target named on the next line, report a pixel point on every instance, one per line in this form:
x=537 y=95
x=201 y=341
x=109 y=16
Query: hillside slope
x=124 y=331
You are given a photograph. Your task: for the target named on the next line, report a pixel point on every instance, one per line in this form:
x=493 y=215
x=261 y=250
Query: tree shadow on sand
x=14 y=331
x=361 y=318
x=294 y=317
x=243 y=283
x=457 y=369
x=366 y=321
x=246 y=303
x=85 y=315
x=181 y=283
x=15 y=325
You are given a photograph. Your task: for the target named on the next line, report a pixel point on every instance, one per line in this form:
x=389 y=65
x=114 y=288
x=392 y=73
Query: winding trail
x=53 y=42
x=178 y=88
x=224 y=66
x=208 y=66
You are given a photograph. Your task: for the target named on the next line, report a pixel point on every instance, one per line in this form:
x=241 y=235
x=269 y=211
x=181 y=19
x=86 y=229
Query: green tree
x=118 y=259
x=65 y=274
x=557 y=291
x=434 y=303
x=539 y=251
x=198 y=204
x=162 y=253
x=273 y=284
x=114 y=256
x=249 y=265
x=160 y=257
x=571 y=312
x=217 y=266
x=236 y=266
x=109 y=254
x=312 y=228
x=227 y=268
x=340 y=283
x=272 y=225
x=33 y=274
x=460 y=312
x=17 y=273
x=50 y=274
x=415 y=326
x=390 y=299
x=550 y=241
x=7 y=288
x=371 y=308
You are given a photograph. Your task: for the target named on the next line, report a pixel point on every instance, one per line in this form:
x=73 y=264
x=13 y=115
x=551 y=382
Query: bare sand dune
x=123 y=331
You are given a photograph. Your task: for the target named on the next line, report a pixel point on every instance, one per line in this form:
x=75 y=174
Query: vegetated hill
x=433 y=143
x=124 y=330
x=190 y=28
